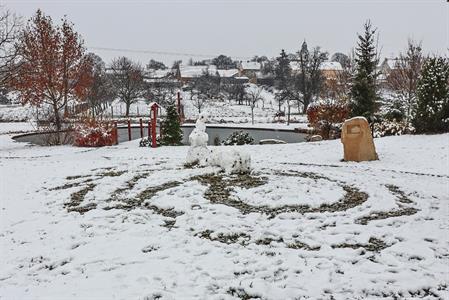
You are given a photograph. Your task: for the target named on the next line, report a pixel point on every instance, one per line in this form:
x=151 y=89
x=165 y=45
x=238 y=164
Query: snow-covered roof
x=325 y=66
x=250 y=65
x=331 y=66
x=151 y=73
x=196 y=71
x=228 y=73
x=391 y=62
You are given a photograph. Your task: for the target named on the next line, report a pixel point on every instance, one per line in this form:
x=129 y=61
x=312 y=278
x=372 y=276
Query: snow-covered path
x=125 y=222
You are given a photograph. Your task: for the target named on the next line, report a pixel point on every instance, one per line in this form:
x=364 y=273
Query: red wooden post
x=129 y=129
x=141 y=128
x=154 y=108
x=153 y=130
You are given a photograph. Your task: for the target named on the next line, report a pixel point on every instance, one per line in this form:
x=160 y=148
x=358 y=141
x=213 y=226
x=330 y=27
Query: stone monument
x=357 y=140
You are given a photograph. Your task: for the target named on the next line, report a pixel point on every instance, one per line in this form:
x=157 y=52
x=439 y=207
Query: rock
x=315 y=138
x=357 y=140
x=271 y=141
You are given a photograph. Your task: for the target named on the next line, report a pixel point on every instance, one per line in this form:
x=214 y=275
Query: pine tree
x=172 y=133
x=364 y=91
x=431 y=113
x=282 y=73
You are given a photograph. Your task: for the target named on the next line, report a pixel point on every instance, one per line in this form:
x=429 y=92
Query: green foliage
x=282 y=73
x=238 y=138
x=431 y=113
x=172 y=133
x=363 y=91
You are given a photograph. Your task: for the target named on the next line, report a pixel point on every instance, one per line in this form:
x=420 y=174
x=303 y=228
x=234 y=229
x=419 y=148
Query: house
x=384 y=69
x=250 y=69
x=187 y=73
x=331 y=70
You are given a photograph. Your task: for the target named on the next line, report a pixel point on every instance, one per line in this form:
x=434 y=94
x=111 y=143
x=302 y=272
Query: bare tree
x=404 y=77
x=309 y=81
x=162 y=91
x=127 y=80
x=100 y=93
x=199 y=101
x=254 y=96
x=10 y=26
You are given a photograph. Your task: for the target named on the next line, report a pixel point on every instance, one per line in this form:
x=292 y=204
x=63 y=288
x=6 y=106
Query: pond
x=216 y=133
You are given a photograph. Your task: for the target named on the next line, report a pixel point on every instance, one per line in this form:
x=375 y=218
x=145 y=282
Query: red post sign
x=154 y=107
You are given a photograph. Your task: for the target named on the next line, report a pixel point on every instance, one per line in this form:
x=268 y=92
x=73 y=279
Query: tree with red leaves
x=53 y=67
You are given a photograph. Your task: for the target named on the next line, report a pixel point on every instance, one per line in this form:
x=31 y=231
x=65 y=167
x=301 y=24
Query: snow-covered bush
x=146 y=142
x=327 y=116
x=238 y=138
x=387 y=128
x=231 y=161
x=94 y=133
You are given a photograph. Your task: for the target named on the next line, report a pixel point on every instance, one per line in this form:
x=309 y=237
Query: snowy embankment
x=133 y=223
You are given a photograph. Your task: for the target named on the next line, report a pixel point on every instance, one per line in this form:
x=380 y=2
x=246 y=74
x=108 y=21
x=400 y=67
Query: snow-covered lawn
x=125 y=222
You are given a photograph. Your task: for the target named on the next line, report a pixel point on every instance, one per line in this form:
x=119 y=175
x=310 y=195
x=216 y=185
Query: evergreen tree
x=364 y=89
x=172 y=133
x=431 y=113
x=282 y=73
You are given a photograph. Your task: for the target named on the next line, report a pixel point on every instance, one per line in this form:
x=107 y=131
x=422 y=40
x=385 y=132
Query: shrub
x=238 y=138
x=172 y=133
x=387 y=128
x=431 y=113
x=327 y=116
x=94 y=133
x=146 y=142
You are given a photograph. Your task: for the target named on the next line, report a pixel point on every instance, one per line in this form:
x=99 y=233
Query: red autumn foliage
x=324 y=116
x=53 y=68
x=94 y=133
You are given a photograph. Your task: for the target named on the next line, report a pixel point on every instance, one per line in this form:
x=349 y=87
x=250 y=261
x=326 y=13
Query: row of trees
x=48 y=65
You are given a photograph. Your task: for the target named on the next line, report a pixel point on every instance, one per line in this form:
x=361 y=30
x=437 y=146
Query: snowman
x=198 y=151
x=230 y=160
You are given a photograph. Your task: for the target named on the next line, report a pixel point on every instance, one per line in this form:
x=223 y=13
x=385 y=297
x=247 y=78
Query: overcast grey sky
x=246 y=27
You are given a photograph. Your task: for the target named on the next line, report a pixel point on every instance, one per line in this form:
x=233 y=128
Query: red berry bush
x=94 y=133
x=325 y=116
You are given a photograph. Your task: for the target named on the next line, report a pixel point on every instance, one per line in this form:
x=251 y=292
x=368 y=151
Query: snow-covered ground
x=125 y=222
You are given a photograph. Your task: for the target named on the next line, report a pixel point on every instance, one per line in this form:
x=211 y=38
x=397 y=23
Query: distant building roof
x=331 y=66
x=250 y=65
x=228 y=73
x=151 y=73
x=197 y=71
x=325 y=66
x=391 y=62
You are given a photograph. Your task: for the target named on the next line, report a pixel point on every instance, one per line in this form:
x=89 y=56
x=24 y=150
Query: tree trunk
x=252 y=115
x=288 y=113
x=57 y=117
x=128 y=104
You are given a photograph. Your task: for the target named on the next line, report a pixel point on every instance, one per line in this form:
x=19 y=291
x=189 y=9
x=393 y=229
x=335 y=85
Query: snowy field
x=125 y=222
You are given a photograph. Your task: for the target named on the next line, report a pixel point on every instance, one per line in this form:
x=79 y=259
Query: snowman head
x=202 y=117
